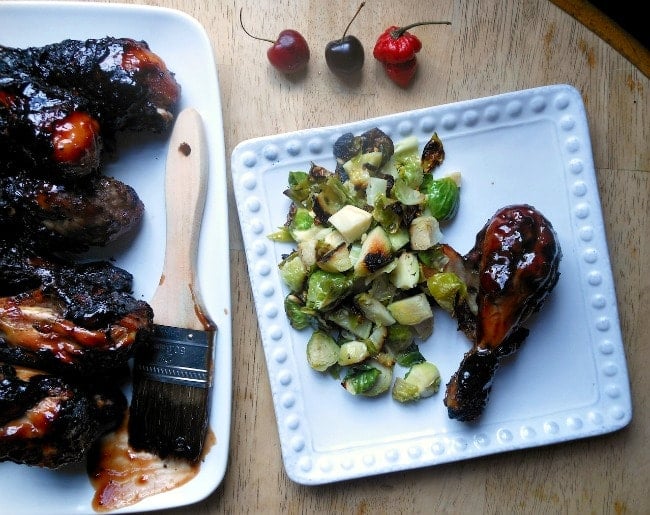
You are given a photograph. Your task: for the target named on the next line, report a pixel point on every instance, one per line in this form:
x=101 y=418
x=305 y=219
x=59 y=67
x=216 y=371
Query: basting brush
x=172 y=375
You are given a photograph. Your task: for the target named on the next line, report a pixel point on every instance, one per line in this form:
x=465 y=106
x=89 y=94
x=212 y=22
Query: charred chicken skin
x=62 y=104
x=49 y=421
x=511 y=270
x=69 y=318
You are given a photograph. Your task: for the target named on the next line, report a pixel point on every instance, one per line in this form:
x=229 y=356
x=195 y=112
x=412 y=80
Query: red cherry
x=289 y=53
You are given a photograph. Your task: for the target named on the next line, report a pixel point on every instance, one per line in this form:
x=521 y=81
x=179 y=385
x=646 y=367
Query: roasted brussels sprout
x=370 y=379
x=326 y=289
x=405 y=163
x=442 y=196
x=293 y=272
x=421 y=381
x=447 y=289
x=299 y=317
x=322 y=351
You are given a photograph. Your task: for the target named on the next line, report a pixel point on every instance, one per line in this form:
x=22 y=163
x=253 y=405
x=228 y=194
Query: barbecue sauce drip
x=122 y=476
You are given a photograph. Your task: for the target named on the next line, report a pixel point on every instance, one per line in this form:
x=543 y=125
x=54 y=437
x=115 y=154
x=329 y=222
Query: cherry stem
x=353 y=18
x=244 y=28
x=397 y=33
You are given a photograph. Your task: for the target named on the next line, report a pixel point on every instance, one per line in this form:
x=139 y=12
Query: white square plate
x=186 y=49
x=569 y=380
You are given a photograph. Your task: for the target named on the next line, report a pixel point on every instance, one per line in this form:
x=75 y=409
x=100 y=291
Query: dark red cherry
x=345 y=56
x=289 y=53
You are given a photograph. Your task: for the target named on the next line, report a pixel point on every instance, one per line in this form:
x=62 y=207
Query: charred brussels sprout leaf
x=433 y=153
x=387 y=213
x=346 y=147
x=375 y=140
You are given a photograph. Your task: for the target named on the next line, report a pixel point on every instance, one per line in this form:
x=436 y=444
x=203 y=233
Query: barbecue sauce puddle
x=122 y=476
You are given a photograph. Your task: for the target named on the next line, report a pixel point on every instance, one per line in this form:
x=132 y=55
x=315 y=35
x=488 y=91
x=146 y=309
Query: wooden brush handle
x=176 y=301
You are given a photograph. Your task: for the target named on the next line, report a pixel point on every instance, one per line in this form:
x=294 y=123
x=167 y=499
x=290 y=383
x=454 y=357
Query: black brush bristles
x=170 y=402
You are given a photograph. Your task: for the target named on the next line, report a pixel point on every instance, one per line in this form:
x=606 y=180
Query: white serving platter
x=186 y=49
x=568 y=381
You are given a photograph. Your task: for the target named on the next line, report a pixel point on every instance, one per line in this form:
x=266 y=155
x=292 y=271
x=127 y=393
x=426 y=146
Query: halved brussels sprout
x=373 y=309
x=352 y=353
x=351 y=320
x=424 y=232
x=421 y=381
x=406 y=274
x=370 y=379
x=293 y=272
x=447 y=289
x=325 y=289
x=405 y=163
x=376 y=253
x=298 y=315
x=322 y=351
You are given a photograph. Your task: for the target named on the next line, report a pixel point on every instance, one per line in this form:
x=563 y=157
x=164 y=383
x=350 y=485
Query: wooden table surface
x=492 y=46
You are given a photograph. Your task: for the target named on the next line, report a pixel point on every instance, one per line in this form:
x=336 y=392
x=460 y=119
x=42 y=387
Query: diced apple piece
x=411 y=310
x=376 y=253
x=406 y=274
x=424 y=232
x=351 y=222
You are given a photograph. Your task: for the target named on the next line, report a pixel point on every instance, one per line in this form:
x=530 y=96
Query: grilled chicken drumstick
x=512 y=268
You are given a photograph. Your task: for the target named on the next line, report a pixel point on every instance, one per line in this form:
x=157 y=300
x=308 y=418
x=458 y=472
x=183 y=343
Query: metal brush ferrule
x=176 y=355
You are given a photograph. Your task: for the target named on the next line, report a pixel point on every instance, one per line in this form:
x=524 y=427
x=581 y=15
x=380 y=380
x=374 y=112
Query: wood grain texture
x=492 y=46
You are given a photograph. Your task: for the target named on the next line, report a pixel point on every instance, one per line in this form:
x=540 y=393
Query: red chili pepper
x=396 y=45
x=396 y=49
x=401 y=73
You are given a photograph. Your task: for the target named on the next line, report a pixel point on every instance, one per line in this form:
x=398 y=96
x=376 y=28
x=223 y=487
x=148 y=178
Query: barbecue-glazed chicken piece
x=47 y=128
x=71 y=216
x=129 y=85
x=62 y=104
x=513 y=267
x=49 y=421
x=69 y=318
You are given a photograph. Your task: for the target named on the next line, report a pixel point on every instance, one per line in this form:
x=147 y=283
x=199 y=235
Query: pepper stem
x=353 y=18
x=399 y=32
x=248 y=33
